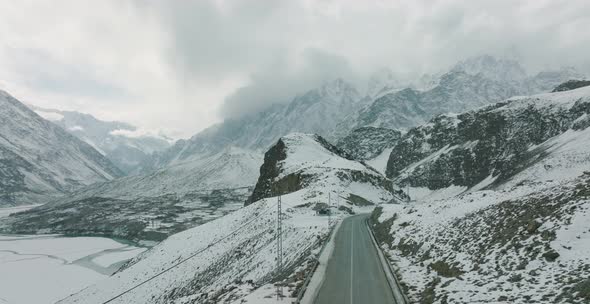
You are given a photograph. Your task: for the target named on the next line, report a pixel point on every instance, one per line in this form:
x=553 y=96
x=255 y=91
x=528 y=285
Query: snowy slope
x=39 y=160
x=227 y=258
x=545 y=133
x=525 y=244
x=150 y=206
x=120 y=142
x=525 y=238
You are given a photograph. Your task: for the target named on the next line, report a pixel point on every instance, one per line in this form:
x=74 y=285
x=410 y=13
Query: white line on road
x=351 y=258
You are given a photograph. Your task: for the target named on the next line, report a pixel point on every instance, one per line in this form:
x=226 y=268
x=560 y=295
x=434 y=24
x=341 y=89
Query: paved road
x=354 y=273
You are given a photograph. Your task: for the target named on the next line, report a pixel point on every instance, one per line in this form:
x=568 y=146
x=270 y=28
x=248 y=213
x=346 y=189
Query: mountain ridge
x=40 y=160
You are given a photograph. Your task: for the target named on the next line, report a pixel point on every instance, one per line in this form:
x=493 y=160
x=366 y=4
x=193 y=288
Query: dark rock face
x=465 y=149
x=571 y=85
x=551 y=255
x=368 y=142
x=268 y=185
x=269 y=171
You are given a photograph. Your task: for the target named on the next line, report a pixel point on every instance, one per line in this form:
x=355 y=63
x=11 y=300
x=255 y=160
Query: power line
x=186 y=259
x=235 y=188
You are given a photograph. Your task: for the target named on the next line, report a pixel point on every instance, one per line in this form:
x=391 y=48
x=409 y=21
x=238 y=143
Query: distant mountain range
x=120 y=142
x=337 y=107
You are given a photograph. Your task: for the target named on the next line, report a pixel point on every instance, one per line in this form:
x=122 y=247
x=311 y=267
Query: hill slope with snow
x=545 y=134
x=525 y=237
x=39 y=160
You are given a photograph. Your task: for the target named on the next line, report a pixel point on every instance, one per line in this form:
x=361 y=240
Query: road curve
x=354 y=273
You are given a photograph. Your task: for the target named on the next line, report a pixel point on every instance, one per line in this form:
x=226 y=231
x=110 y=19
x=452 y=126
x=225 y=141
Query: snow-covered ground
x=380 y=161
x=45 y=269
x=495 y=246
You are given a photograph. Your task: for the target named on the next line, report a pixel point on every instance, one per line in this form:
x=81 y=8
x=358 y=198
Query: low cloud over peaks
x=184 y=65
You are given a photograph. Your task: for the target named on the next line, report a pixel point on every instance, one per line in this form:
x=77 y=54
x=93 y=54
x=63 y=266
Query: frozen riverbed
x=44 y=269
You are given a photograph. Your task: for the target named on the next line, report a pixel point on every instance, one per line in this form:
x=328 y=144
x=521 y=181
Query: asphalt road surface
x=354 y=273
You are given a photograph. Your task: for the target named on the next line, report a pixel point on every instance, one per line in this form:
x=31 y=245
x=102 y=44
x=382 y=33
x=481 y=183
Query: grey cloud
x=211 y=42
x=279 y=83
x=45 y=72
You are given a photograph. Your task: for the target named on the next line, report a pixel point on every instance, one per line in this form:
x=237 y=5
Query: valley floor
x=45 y=269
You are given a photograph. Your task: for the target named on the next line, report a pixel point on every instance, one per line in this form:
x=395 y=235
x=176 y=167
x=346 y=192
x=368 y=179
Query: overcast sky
x=179 y=66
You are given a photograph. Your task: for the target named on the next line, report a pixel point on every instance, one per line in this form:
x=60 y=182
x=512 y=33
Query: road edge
x=392 y=279
x=317 y=279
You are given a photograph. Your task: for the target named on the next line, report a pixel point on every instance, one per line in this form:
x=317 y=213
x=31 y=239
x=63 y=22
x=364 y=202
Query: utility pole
x=279 y=248
x=329 y=210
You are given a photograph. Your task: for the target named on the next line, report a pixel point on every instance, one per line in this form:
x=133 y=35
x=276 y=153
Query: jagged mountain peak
x=497 y=69
x=384 y=80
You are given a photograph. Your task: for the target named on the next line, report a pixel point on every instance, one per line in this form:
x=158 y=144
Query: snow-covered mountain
x=231 y=257
x=317 y=111
x=336 y=108
x=469 y=84
x=501 y=203
x=40 y=161
x=118 y=141
x=383 y=81
x=494 y=144
x=149 y=206
x=492 y=68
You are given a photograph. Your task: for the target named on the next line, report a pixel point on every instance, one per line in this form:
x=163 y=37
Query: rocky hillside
x=502 y=204
x=491 y=145
x=40 y=161
x=299 y=160
x=368 y=142
x=227 y=259
x=120 y=142
x=150 y=206
x=571 y=85
x=527 y=243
